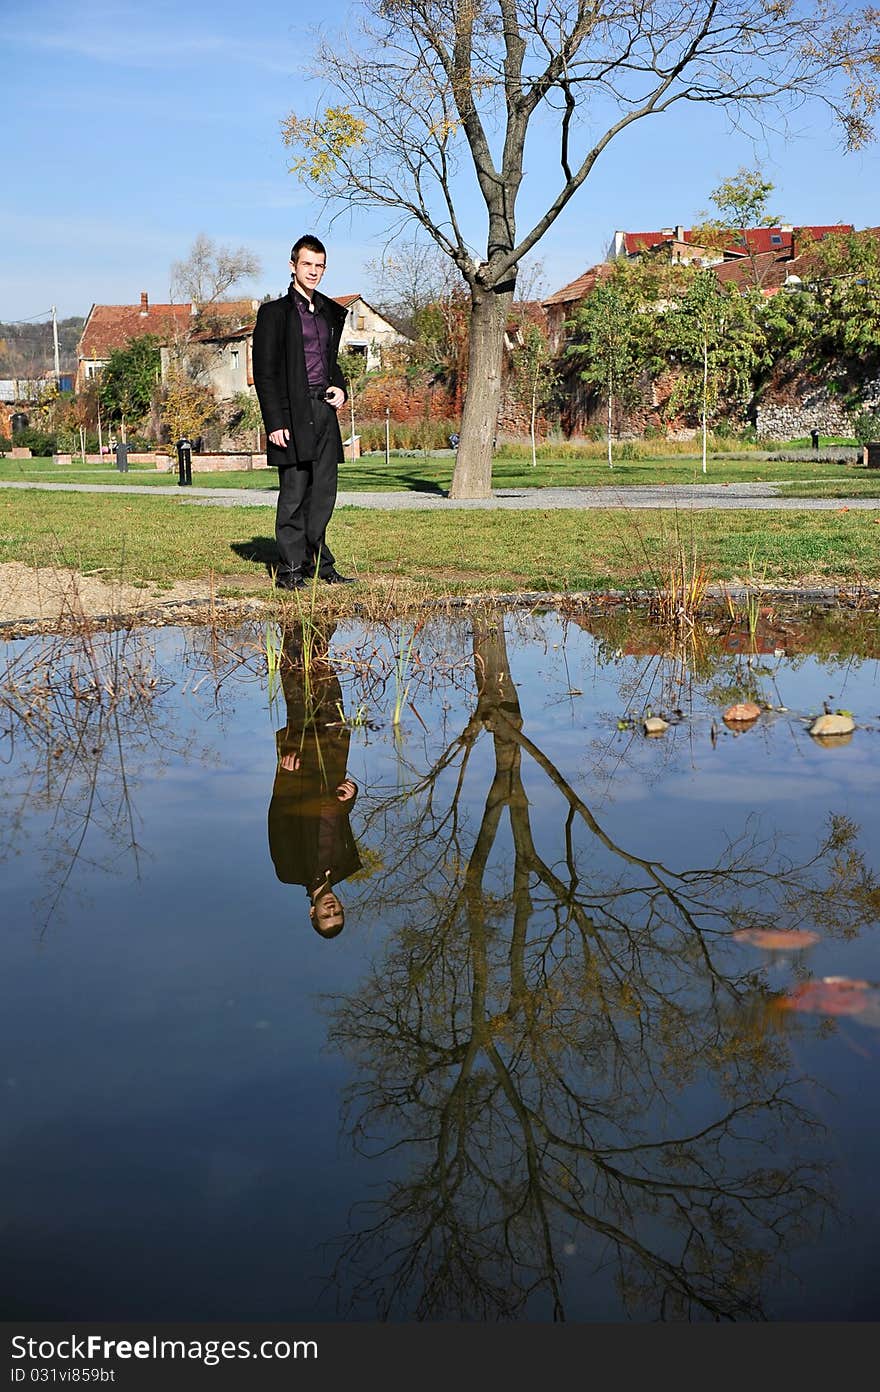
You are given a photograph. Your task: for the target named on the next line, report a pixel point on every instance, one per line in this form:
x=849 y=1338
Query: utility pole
x=55 y=337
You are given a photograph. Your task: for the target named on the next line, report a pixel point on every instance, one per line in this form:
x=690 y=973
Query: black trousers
x=306 y=499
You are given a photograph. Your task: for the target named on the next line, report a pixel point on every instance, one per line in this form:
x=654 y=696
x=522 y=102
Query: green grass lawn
x=40 y=470
x=853 y=483
x=434 y=473
x=460 y=551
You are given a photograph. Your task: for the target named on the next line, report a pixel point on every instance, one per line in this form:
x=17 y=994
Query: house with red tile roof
x=109 y=327
x=366 y=331
x=224 y=331
x=226 y=328
x=562 y=304
x=762 y=255
x=685 y=245
x=229 y=331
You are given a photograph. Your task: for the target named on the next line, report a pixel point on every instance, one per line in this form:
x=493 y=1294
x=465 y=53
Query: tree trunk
x=473 y=466
x=533 y=422
x=610 y=422
x=705 y=394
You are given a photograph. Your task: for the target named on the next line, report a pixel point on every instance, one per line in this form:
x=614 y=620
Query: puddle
x=593 y=1041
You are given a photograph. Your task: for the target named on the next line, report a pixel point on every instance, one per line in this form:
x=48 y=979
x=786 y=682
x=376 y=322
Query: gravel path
x=763 y=496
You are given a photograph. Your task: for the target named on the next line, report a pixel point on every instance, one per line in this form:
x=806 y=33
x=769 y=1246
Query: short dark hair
x=307 y=243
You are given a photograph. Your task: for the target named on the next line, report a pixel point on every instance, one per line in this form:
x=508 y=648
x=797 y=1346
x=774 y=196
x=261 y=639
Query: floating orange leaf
x=777 y=939
x=833 y=995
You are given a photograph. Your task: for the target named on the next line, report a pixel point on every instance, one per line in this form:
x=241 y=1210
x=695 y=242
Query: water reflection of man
x=310 y=837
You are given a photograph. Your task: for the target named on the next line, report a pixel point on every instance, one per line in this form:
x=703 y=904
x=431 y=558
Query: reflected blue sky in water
x=175 y=1139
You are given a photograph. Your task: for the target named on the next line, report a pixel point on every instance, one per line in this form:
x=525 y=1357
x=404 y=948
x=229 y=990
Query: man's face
x=308 y=268
x=327 y=914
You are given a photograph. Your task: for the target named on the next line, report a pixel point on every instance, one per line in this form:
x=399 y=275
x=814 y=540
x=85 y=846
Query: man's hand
x=290 y=762
x=334 y=396
x=280 y=438
x=346 y=792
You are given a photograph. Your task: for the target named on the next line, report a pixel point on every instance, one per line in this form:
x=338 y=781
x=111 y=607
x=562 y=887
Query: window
x=775 y=239
x=234 y=355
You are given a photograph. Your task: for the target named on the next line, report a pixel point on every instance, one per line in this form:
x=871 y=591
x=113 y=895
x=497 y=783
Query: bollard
x=184 y=463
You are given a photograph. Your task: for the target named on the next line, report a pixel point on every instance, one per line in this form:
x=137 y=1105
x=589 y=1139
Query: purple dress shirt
x=316 y=336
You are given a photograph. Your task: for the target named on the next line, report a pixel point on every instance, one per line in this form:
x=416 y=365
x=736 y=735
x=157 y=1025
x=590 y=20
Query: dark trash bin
x=814 y=436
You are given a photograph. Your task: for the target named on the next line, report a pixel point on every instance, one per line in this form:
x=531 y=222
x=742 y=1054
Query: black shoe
x=289 y=580
x=332 y=577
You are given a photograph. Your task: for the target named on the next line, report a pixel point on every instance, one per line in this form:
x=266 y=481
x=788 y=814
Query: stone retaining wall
x=811 y=407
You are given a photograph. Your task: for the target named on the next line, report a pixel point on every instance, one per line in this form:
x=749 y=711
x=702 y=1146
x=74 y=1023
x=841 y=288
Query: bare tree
x=408 y=278
x=209 y=271
x=521 y=1039
x=438 y=93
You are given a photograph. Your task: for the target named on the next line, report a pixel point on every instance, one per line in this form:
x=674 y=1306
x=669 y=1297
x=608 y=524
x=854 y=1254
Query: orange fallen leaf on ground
x=833 y=995
x=777 y=939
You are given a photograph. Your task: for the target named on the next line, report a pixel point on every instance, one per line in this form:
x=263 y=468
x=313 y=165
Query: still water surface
x=548 y=1069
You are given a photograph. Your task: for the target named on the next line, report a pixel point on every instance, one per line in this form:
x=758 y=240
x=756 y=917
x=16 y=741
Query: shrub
x=420 y=434
x=37 y=441
x=866 y=427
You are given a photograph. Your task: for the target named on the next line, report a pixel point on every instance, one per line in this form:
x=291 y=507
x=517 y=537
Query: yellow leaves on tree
x=324 y=142
x=187 y=406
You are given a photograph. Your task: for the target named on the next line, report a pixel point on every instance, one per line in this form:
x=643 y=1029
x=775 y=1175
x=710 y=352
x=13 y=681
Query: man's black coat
x=280 y=374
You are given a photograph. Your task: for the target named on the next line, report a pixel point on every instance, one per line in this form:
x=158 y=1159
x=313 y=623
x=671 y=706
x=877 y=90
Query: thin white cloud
x=121 y=39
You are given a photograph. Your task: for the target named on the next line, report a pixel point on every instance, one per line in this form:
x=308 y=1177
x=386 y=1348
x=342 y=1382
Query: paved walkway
x=763 y=496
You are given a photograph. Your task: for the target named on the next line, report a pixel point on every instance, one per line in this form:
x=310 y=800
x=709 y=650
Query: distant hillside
x=27 y=350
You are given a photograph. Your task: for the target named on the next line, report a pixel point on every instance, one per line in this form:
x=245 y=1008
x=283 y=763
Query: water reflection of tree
x=82 y=715
x=524 y=1043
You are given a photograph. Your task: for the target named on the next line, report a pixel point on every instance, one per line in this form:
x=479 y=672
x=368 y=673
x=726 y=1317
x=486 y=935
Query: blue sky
x=131 y=128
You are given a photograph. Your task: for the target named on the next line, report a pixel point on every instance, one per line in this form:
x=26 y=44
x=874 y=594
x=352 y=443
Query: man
x=310 y=837
x=300 y=388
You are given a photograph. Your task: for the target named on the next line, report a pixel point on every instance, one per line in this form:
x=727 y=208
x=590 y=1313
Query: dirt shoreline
x=57 y=600
x=54 y=596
